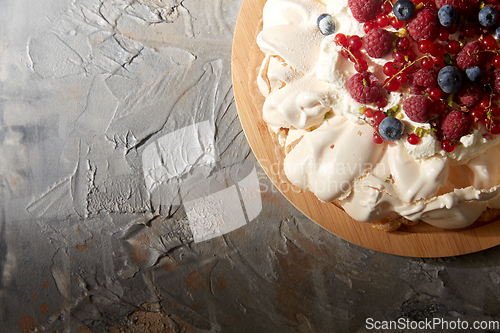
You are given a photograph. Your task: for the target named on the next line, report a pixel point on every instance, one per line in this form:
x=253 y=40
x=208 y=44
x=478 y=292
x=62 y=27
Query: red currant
x=370 y=25
x=426 y=63
x=341 y=39
x=443 y=34
x=399 y=56
x=391 y=84
x=402 y=78
x=386 y=7
x=477 y=113
x=495 y=110
x=452 y=47
x=383 y=20
x=368 y=112
x=413 y=139
x=425 y=46
x=496 y=61
x=435 y=93
x=495 y=128
x=378 y=116
x=390 y=68
x=377 y=138
x=381 y=102
x=438 y=50
x=403 y=43
x=355 y=42
x=489 y=43
x=448 y=146
x=397 y=24
x=484 y=103
x=360 y=65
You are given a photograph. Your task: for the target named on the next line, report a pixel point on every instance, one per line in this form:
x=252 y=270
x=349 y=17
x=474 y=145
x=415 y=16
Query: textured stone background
x=99 y=194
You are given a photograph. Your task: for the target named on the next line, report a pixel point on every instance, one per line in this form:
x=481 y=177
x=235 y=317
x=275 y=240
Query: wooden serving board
x=421 y=240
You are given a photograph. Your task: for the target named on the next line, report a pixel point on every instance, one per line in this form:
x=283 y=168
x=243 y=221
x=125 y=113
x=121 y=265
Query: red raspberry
x=455 y=125
x=471 y=55
x=378 y=43
x=424 y=25
x=364 y=10
x=496 y=80
x=417 y=108
x=441 y=3
x=364 y=87
x=426 y=78
x=469 y=95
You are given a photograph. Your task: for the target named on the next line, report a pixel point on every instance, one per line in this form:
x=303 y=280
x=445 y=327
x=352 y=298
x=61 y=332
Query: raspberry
x=469 y=95
x=417 y=108
x=378 y=43
x=441 y=3
x=455 y=125
x=425 y=25
x=496 y=80
x=426 y=78
x=364 y=87
x=364 y=10
x=471 y=55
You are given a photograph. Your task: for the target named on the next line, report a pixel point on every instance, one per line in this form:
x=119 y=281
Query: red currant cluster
x=351 y=49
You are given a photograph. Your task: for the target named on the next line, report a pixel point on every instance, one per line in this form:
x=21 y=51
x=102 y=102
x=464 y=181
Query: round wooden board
x=421 y=240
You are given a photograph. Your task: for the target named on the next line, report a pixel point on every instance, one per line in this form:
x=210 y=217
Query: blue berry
x=474 y=73
x=391 y=129
x=404 y=10
x=447 y=15
x=449 y=79
x=488 y=16
x=326 y=24
x=497 y=33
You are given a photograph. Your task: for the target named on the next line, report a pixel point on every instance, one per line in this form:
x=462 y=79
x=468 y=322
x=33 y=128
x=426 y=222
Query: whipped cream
x=330 y=147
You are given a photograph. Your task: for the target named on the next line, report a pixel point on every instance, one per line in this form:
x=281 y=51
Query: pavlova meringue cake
x=389 y=108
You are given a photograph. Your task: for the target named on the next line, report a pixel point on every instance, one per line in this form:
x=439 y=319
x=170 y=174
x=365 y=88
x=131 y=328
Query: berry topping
x=488 y=16
x=378 y=43
x=417 y=108
x=447 y=15
x=326 y=24
x=449 y=79
x=404 y=10
x=471 y=55
x=474 y=73
x=455 y=125
x=364 y=87
x=364 y=10
x=424 y=25
x=391 y=129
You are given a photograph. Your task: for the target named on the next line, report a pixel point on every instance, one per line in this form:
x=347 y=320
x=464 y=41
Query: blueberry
x=404 y=10
x=447 y=15
x=391 y=129
x=497 y=33
x=326 y=24
x=488 y=16
x=449 y=79
x=474 y=73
